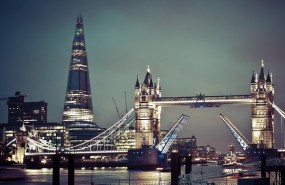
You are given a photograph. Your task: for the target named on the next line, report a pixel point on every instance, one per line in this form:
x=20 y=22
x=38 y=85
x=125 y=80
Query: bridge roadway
x=202 y=100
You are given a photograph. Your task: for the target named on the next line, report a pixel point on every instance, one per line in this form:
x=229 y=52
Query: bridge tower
x=262 y=93
x=147 y=127
x=21 y=144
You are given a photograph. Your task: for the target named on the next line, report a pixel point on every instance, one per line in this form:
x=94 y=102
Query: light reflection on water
x=114 y=176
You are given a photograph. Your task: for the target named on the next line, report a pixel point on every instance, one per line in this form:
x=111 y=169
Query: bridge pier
x=55 y=168
x=263 y=164
x=70 y=169
x=175 y=168
x=188 y=164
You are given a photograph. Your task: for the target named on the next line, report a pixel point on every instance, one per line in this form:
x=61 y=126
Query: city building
x=126 y=140
x=78 y=109
x=206 y=152
x=21 y=112
x=187 y=146
x=35 y=112
x=8 y=131
x=15 y=108
x=52 y=132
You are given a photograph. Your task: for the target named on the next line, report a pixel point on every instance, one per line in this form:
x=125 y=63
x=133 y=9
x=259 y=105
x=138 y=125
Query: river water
x=118 y=175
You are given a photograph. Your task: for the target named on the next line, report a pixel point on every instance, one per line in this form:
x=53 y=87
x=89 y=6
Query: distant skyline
x=208 y=47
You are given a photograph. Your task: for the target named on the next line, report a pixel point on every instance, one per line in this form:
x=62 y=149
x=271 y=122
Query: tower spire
x=253 y=78
x=158 y=84
x=268 y=79
x=147 y=77
x=137 y=82
x=261 y=74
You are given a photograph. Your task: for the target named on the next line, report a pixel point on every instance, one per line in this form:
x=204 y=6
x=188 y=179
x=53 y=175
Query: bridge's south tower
x=147 y=125
x=262 y=93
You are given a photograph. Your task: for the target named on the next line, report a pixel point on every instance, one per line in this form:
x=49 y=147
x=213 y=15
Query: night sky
x=210 y=47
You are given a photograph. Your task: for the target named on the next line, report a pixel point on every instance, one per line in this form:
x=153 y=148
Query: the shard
x=78 y=110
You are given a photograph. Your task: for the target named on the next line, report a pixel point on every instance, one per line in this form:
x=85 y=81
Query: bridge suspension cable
x=166 y=142
x=244 y=143
x=45 y=146
x=104 y=136
x=282 y=113
x=11 y=142
x=103 y=139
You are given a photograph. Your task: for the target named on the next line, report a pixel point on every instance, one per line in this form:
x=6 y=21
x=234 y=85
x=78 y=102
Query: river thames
x=119 y=175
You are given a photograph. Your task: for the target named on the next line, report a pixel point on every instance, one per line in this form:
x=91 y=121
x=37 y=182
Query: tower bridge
x=146 y=117
x=78 y=112
x=149 y=103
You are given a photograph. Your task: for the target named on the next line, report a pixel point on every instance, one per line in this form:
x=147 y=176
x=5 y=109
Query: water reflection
x=119 y=175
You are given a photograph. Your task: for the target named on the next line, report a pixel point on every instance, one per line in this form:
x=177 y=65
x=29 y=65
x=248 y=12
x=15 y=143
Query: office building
x=20 y=112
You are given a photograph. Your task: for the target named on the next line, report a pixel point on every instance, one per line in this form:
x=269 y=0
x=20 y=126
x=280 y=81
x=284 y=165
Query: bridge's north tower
x=147 y=125
x=262 y=94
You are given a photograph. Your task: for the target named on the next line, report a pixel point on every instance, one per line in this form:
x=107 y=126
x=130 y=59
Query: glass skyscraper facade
x=78 y=109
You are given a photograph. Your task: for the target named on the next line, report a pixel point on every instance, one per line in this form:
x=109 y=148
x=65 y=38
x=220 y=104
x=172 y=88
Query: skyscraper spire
x=79 y=20
x=78 y=109
x=78 y=100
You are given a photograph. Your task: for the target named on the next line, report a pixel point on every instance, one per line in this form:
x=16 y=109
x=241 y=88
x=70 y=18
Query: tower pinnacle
x=261 y=74
x=158 y=84
x=137 y=82
x=253 y=77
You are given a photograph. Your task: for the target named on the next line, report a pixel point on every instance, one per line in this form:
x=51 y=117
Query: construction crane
x=126 y=101
x=116 y=108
